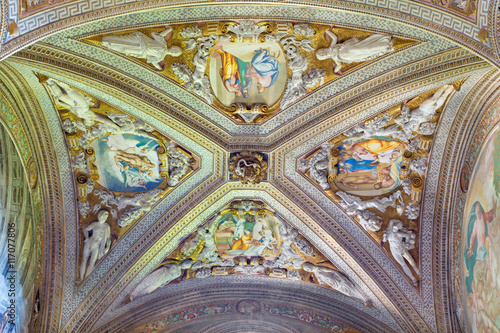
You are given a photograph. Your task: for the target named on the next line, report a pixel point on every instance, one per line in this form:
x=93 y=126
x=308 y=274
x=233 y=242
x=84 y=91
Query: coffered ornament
x=250 y=69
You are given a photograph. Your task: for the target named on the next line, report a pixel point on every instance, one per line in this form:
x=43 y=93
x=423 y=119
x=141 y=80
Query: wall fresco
x=370 y=166
x=481 y=240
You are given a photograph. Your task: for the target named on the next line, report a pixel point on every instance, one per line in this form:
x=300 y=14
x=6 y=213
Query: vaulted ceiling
x=278 y=156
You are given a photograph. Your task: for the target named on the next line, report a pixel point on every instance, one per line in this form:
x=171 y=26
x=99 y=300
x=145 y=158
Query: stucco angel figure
x=159 y=278
x=337 y=281
x=154 y=49
x=288 y=255
x=401 y=241
x=354 y=50
x=97 y=245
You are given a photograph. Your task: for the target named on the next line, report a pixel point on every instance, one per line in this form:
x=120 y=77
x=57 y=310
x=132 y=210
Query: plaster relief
x=375 y=171
x=248 y=238
x=250 y=69
x=122 y=167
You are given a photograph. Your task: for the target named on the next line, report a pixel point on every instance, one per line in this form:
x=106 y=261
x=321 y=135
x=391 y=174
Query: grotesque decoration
x=97 y=245
x=154 y=49
x=160 y=277
x=354 y=50
x=401 y=241
x=248 y=167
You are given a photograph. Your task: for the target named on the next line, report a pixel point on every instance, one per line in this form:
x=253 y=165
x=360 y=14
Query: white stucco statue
x=77 y=103
x=401 y=241
x=71 y=99
x=209 y=251
x=288 y=255
x=354 y=50
x=159 y=278
x=411 y=120
x=337 y=281
x=154 y=49
x=97 y=245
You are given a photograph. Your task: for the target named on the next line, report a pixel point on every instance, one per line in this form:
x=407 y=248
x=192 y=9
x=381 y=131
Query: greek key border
x=437 y=21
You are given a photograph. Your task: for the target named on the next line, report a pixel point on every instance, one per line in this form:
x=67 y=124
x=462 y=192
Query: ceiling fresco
x=306 y=167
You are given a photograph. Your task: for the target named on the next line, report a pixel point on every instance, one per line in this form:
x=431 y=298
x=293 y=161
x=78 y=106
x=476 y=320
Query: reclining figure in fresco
x=97 y=245
x=337 y=281
x=401 y=241
x=160 y=277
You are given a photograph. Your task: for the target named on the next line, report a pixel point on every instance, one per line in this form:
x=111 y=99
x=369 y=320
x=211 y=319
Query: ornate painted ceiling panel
x=250 y=70
x=257 y=163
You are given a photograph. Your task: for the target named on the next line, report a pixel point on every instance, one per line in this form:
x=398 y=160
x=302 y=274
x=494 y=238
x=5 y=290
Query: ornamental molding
x=61 y=17
x=216 y=290
x=494 y=26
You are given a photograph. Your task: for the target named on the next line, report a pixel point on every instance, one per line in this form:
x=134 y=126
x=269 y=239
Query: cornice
x=408 y=12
